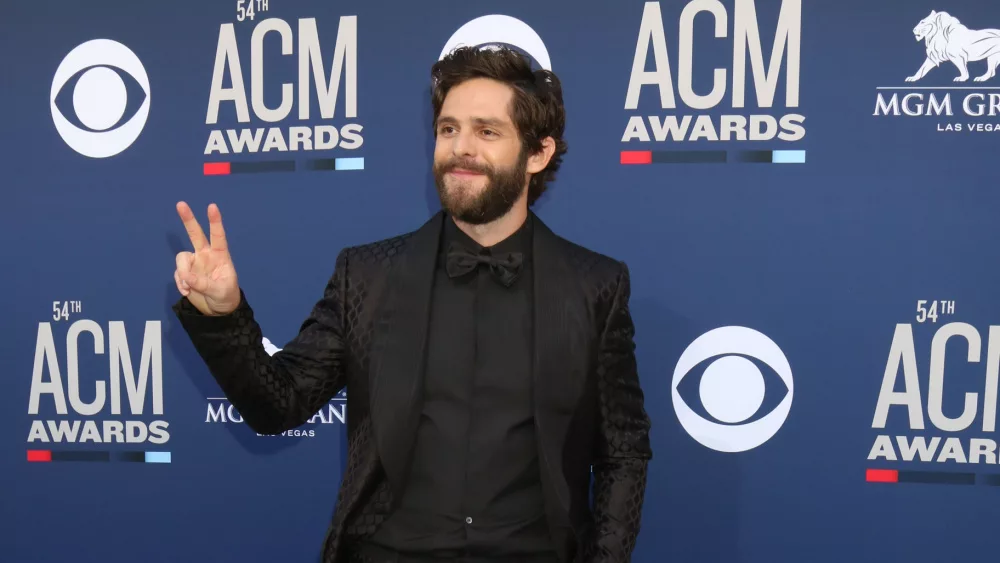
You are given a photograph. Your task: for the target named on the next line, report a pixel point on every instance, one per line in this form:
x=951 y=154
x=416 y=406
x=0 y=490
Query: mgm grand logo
x=949 y=42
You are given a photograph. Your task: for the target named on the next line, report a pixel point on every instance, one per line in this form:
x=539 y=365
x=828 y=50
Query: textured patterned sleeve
x=279 y=392
x=623 y=448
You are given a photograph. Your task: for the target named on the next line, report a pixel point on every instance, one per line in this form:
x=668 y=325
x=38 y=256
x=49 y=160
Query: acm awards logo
x=759 y=104
x=92 y=388
x=99 y=98
x=936 y=409
x=262 y=121
x=279 y=130
x=959 y=62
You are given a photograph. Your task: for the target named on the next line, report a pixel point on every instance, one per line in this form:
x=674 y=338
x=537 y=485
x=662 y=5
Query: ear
x=538 y=161
x=933 y=12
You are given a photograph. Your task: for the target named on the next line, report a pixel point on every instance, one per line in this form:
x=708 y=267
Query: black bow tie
x=462 y=261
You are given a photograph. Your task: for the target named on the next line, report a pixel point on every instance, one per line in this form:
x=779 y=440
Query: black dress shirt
x=473 y=486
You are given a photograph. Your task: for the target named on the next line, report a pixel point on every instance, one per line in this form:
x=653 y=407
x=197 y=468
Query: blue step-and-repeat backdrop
x=806 y=194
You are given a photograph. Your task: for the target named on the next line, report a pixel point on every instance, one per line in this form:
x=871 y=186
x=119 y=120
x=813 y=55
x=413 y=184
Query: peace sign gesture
x=207 y=276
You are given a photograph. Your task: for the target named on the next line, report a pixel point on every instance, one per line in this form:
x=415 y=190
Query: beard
x=503 y=187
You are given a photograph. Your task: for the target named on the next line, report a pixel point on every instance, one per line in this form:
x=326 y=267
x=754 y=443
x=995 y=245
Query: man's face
x=479 y=167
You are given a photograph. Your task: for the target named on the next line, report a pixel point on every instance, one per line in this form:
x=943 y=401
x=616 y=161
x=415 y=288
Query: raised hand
x=207 y=276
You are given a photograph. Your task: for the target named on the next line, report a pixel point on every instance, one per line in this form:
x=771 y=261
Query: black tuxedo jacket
x=368 y=333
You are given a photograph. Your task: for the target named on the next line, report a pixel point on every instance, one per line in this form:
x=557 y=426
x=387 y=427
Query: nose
x=463 y=144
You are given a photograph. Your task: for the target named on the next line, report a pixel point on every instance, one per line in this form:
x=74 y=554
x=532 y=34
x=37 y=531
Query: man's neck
x=489 y=234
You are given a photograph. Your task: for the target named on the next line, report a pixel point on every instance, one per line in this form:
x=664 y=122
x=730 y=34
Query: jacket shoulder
x=591 y=264
x=375 y=253
x=600 y=276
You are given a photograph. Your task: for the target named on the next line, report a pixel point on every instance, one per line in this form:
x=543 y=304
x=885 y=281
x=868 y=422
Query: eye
x=100 y=98
x=738 y=406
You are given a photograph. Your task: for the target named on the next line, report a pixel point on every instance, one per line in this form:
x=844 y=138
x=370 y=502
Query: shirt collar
x=518 y=241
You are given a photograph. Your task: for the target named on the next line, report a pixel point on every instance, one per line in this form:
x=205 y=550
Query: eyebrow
x=487 y=121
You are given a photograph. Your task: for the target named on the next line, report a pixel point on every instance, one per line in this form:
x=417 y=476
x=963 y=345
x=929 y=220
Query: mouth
x=464 y=172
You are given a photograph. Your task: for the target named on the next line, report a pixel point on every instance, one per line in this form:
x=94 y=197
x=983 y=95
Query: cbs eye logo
x=495 y=29
x=90 y=87
x=732 y=389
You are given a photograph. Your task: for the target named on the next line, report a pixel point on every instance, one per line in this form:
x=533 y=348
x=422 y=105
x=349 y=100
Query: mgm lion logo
x=947 y=39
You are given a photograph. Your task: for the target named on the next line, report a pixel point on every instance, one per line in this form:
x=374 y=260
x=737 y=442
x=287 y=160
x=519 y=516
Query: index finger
x=194 y=231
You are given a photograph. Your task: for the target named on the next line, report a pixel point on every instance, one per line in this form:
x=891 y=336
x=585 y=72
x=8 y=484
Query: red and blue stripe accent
x=50 y=456
x=714 y=157
x=263 y=166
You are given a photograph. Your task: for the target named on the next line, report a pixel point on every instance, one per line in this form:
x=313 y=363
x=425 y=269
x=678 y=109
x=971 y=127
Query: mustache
x=465 y=165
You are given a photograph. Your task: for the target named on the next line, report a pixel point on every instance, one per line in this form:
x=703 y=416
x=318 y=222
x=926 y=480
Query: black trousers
x=367 y=553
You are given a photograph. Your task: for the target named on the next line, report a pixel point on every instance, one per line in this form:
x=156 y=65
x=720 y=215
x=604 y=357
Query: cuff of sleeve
x=193 y=319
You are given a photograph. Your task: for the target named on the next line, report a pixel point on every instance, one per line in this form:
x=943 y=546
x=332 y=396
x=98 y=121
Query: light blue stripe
x=788 y=157
x=357 y=163
x=157 y=457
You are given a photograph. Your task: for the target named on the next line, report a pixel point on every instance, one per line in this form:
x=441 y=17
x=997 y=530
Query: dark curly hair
x=536 y=109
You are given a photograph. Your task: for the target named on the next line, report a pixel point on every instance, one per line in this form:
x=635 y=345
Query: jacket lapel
x=560 y=355
x=398 y=350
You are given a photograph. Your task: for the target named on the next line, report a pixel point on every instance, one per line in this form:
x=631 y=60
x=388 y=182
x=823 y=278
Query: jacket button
x=468 y=519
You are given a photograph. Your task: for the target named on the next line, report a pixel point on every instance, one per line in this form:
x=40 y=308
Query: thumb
x=194 y=281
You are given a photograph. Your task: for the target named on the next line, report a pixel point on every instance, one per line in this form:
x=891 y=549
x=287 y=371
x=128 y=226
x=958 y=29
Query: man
x=489 y=364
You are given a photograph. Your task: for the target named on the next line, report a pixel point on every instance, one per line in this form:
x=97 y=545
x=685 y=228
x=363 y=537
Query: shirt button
x=468 y=519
